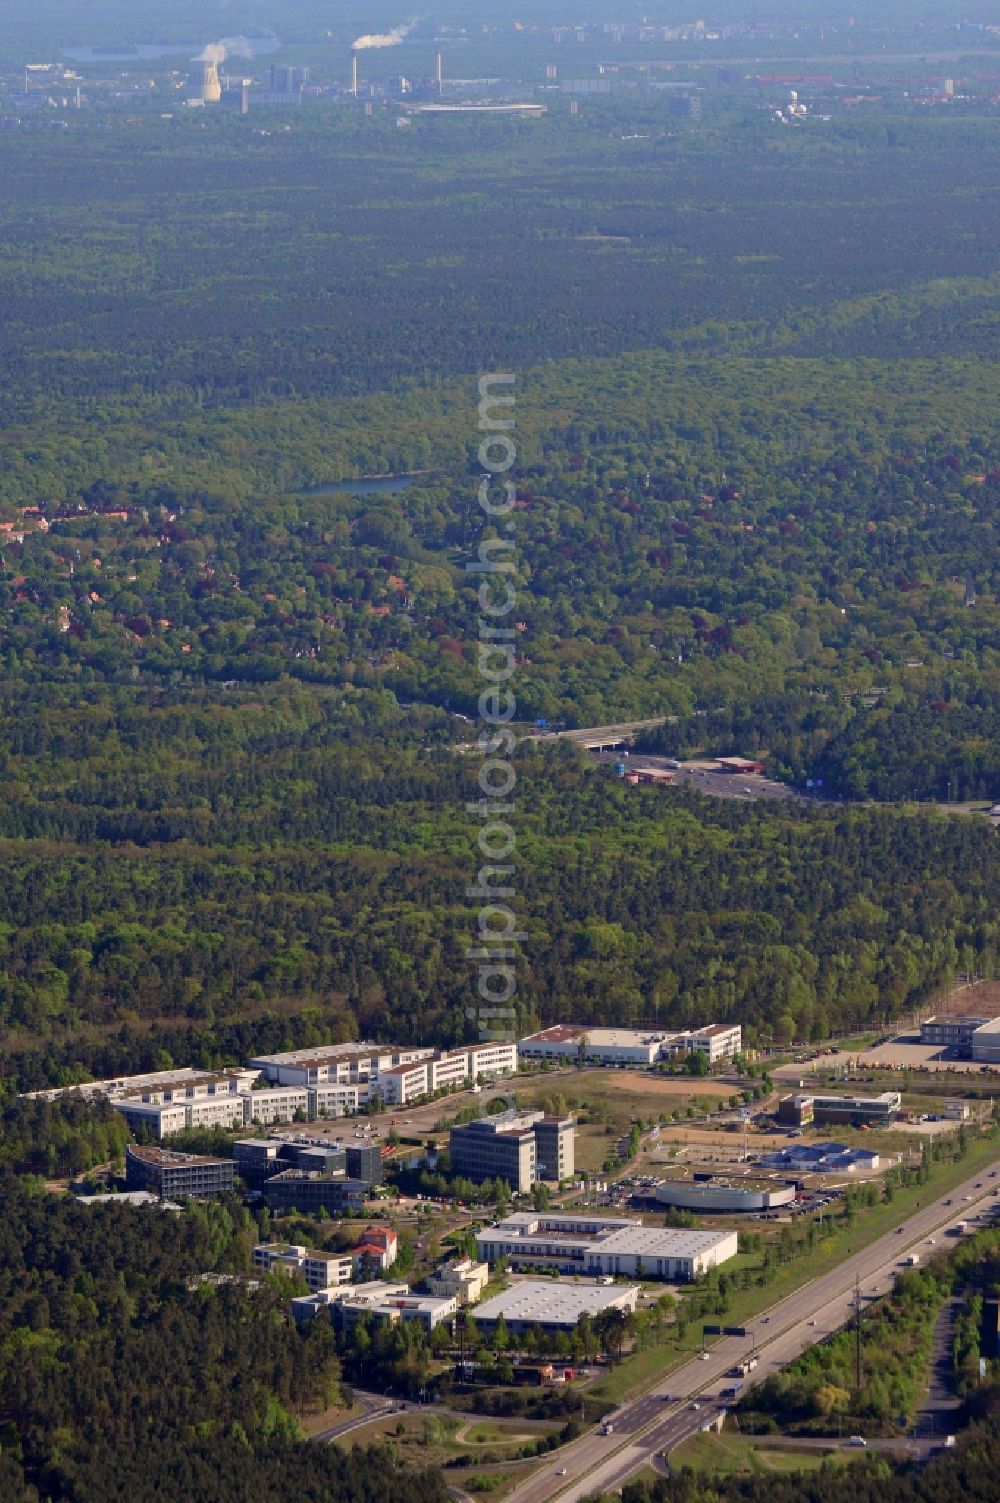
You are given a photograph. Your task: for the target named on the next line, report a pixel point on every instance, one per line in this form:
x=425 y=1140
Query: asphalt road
x=666 y=1415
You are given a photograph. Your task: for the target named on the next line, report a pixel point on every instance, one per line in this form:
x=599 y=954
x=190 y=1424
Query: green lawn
x=729 y=1453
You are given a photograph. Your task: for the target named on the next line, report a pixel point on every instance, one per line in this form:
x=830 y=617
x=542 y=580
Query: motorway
x=682 y=1403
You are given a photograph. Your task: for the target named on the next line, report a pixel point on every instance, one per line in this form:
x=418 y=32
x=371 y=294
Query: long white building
x=631 y=1046
x=453 y=1067
x=598 y=1246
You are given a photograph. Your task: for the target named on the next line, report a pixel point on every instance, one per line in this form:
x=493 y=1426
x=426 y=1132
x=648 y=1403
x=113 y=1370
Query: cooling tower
x=210 y=89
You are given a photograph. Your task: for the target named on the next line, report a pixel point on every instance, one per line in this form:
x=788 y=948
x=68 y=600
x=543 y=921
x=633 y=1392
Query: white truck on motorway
x=913 y=1260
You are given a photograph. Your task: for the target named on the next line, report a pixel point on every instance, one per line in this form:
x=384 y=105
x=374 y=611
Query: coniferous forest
x=756 y=500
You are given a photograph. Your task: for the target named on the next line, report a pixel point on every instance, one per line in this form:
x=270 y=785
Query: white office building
x=320 y=1270
x=624 y=1047
x=599 y=1246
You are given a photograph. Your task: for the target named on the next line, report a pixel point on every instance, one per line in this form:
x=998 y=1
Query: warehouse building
x=596 y=1246
x=552 y=1306
x=986 y=1043
x=176 y=1175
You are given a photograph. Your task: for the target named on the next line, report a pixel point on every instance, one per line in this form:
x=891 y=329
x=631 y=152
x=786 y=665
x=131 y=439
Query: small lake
x=369 y=485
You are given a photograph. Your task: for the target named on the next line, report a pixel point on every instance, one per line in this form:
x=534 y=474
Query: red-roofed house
x=378 y=1246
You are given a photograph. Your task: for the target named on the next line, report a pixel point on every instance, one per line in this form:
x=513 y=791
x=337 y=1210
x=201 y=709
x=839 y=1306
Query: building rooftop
x=609 y=1038
x=129 y=1198
x=958 y=1020
x=554 y=1302
x=153 y=1154
x=330 y=1053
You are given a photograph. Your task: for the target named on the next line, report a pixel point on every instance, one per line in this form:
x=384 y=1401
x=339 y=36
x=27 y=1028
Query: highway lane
x=666 y=1414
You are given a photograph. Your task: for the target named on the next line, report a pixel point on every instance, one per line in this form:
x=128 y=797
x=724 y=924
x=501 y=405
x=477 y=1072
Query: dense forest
x=124 y=1375
x=160 y=865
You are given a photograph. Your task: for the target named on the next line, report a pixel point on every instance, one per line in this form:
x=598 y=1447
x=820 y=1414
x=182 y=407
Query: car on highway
x=696 y=1405
x=857 y=1440
x=812 y=1322
x=705 y=1356
x=561 y=1472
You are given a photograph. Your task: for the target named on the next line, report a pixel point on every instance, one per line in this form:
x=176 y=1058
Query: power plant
x=209 y=89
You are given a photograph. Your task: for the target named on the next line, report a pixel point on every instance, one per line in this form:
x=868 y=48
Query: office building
x=307 y=1307
x=630 y=1047
x=423 y=1309
x=449 y=1069
x=299 y=1190
x=596 y=1246
x=520 y=1147
x=710 y=1196
x=952 y=1030
x=320 y=1270
x=874 y=1111
x=358 y=1065
x=463 y=1280
x=500 y=1147
x=555 y=1148
x=552 y=1306
x=176 y=1176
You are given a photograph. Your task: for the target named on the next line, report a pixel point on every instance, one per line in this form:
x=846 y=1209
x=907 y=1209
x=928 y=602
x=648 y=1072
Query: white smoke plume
x=385 y=39
x=217 y=52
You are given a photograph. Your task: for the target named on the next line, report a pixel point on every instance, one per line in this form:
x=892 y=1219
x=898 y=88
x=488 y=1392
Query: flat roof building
x=821 y=1158
x=952 y=1030
x=319 y=1269
x=298 y=1189
x=873 y=1110
x=986 y=1043
x=520 y=1147
x=463 y=1280
x=597 y=1246
x=307 y=1307
x=176 y=1175
x=552 y=1306
x=636 y=1047
x=338 y=1064
x=711 y=1196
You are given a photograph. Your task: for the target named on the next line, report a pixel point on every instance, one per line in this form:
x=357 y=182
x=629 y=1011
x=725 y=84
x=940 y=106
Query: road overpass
x=680 y=1404
x=602 y=737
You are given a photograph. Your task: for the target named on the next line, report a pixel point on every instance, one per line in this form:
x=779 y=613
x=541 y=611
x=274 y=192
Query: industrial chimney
x=439 y=73
x=354 y=74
